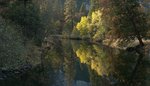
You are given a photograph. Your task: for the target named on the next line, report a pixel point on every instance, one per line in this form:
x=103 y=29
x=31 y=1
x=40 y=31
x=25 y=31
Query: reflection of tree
x=53 y=51
x=114 y=65
x=124 y=66
x=69 y=63
x=52 y=61
x=133 y=69
x=142 y=74
x=95 y=57
x=84 y=53
x=97 y=80
x=38 y=77
x=59 y=59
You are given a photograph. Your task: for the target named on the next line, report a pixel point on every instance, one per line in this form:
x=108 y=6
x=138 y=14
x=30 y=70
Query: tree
x=91 y=26
x=82 y=26
x=27 y=15
x=12 y=50
x=128 y=22
x=69 y=63
x=94 y=5
x=69 y=13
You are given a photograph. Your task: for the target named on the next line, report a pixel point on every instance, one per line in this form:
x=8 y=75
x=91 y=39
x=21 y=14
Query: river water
x=79 y=63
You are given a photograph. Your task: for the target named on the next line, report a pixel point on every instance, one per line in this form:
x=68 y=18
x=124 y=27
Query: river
x=79 y=63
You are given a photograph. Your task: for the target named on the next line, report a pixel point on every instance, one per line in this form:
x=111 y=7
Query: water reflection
x=111 y=66
x=76 y=63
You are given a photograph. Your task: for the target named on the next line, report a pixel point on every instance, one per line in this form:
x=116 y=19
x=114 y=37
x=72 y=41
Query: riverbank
x=107 y=42
x=115 y=44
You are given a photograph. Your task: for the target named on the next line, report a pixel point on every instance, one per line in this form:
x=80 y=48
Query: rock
x=8 y=73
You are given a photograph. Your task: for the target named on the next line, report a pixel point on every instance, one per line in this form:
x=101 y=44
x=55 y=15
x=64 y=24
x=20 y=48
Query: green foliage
x=28 y=17
x=94 y=5
x=148 y=33
x=69 y=16
x=127 y=21
x=69 y=10
x=11 y=45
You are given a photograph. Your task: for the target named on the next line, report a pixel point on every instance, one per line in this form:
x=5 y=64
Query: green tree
x=94 y=5
x=52 y=15
x=12 y=49
x=27 y=15
x=128 y=22
x=69 y=13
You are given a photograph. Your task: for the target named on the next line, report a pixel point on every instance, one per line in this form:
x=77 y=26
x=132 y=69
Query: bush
x=28 y=17
x=11 y=45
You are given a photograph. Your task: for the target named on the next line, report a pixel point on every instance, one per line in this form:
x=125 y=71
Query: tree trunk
x=136 y=32
x=140 y=40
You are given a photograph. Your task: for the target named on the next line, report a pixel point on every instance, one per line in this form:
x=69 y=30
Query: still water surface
x=77 y=63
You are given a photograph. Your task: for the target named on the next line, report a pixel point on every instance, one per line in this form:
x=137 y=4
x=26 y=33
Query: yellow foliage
x=94 y=56
x=83 y=23
x=96 y=17
x=91 y=25
x=83 y=55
